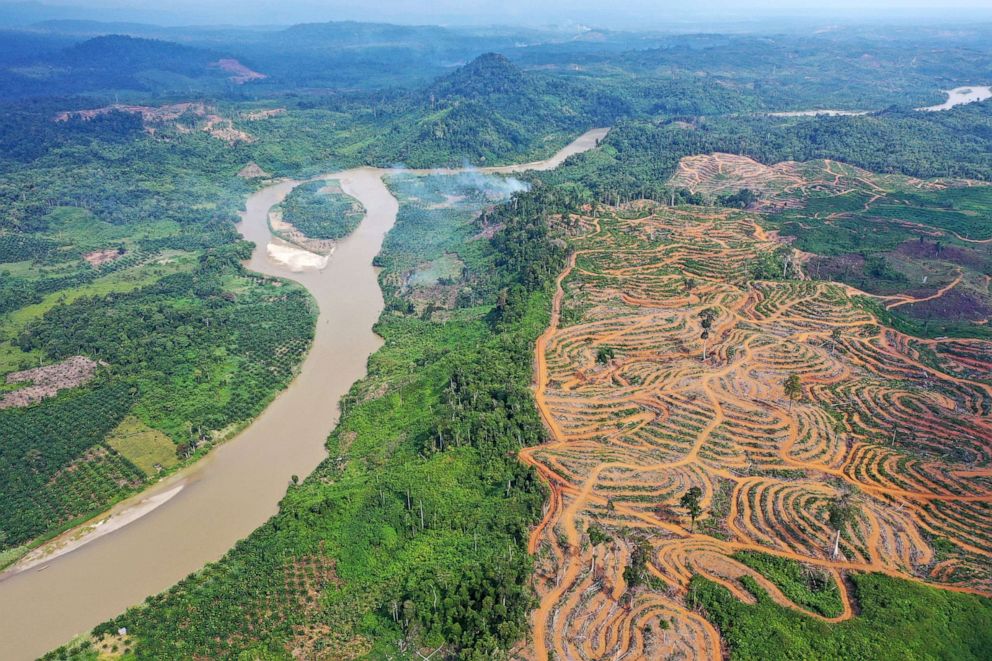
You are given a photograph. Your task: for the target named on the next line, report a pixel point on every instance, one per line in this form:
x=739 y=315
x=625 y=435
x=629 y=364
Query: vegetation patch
x=808 y=586
x=898 y=620
x=320 y=210
x=443 y=270
x=148 y=449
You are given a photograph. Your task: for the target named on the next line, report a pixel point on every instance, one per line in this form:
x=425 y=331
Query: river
x=960 y=96
x=955 y=97
x=156 y=538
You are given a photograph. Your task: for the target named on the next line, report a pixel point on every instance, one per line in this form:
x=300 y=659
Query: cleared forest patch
x=922 y=245
x=181 y=117
x=700 y=410
x=47 y=381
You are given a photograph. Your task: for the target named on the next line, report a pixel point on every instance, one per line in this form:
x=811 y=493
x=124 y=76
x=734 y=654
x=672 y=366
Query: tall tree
x=840 y=512
x=793 y=387
x=706 y=318
x=835 y=336
x=690 y=501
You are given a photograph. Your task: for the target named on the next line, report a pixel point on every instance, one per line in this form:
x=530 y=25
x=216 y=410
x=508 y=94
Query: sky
x=598 y=13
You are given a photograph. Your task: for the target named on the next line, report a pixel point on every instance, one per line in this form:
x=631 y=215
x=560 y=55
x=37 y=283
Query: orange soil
x=98 y=258
x=904 y=438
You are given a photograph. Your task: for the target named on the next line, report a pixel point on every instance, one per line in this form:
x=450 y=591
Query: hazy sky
x=606 y=13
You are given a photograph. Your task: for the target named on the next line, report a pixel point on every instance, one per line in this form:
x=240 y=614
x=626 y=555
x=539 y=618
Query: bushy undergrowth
x=898 y=620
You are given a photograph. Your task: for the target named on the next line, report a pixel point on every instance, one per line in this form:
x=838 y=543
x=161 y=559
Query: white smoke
x=493 y=186
x=467 y=181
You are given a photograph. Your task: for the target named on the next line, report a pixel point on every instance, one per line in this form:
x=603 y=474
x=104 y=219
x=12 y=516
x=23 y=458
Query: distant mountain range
x=55 y=66
x=77 y=56
x=23 y=14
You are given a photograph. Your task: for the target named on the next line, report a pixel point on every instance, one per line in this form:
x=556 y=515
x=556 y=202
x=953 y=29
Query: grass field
x=447 y=267
x=147 y=448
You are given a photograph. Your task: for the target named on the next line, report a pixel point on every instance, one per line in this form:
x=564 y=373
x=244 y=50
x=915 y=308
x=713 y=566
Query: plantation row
x=43 y=448
x=16 y=247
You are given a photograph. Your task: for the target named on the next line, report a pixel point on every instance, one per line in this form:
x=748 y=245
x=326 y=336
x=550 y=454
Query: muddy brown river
x=156 y=538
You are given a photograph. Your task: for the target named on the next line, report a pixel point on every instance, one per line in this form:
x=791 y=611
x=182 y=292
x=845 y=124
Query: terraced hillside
x=707 y=419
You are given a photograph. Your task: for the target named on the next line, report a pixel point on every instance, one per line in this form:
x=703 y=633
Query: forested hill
x=488 y=111
x=486 y=76
x=131 y=54
x=344 y=34
x=118 y=63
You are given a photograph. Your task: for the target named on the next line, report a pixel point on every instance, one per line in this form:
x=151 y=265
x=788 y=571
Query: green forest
x=321 y=212
x=898 y=620
x=427 y=512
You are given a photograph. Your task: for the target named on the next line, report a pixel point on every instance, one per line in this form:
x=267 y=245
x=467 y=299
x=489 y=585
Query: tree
x=690 y=501
x=636 y=572
x=835 y=336
x=742 y=199
x=706 y=318
x=793 y=388
x=840 y=512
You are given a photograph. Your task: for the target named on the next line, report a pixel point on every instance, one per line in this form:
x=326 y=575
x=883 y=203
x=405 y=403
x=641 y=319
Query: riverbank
x=238 y=486
x=960 y=96
x=116 y=519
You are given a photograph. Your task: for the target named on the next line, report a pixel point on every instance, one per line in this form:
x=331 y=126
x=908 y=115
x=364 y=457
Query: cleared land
x=44 y=382
x=189 y=116
x=924 y=247
x=883 y=452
